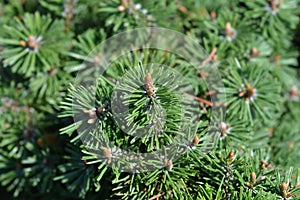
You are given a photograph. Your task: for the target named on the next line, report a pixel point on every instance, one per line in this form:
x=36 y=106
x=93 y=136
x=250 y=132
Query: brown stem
x=211 y=55
x=183 y=9
x=210 y=93
x=201 y=100
x=160 y=195
x=203 y=107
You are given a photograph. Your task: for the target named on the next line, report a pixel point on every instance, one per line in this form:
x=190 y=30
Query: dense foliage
x=233 y=139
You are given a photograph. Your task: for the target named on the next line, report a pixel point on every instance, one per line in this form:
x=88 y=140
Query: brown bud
x=149 y=85
x=291 y=144
x=22 y=43
x=98 y=59
x=277 y=60
x=170 y=165
x=213 y=15
x=107 y=154
x=253 y=177
x=275 y=4
x=52 y=72
x=242 y=93
x=249 y=93
x=271 y=131
x=30 y=41
x=227 y=28
x=183 y=9
x=40 y=142
x=248 y=184
x=225 y=128
x=195 y=140
x=92 y=115
x=254 y=52
x=263 y=164
x=203 y=74
x=293 y=93
x=229 y=31
x=284 y=187
x=121 y=8
x=230 y=157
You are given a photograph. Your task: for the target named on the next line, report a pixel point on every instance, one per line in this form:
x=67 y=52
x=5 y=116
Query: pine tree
x=91 y=108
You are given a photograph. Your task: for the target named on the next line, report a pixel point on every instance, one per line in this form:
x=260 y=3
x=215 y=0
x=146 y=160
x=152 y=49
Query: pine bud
x=203 y=74
x=32 y=42
x=254 y=52
x=183 y=9
x=249 y=93
x=276 y=60
x=284 y=187
x=270 y=131
x=230 y=157
x=100 y=111
x=51 y=72
x=149 y=85
x=253 y=177
x=97 y=60
x=225 y=129
x=291 y=144
x=264 y=164
x=107 y=154
x=170 y=165
x=293 y=93
x=275 y=4
x=40 y=142
x=121 y=8
x=195 y=140
x=92 y=115
x=230 y=32
x=22 y=43
x=213 y=15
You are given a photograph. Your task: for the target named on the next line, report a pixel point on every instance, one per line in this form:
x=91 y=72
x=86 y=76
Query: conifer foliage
x=151 y=125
